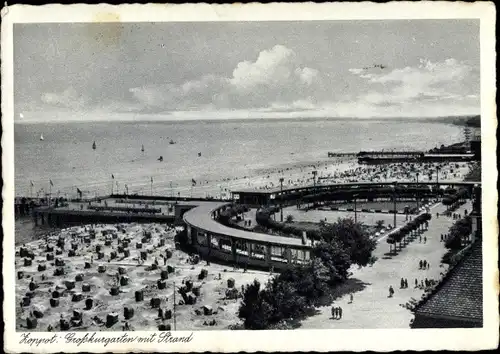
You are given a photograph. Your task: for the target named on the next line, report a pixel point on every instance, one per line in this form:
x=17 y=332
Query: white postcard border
x=303 y=340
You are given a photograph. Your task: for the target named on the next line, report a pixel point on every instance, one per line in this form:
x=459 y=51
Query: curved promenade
x=257 y=197
x=216 y=241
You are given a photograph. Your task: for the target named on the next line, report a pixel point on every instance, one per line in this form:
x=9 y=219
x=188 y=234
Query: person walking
x=391 y=291
x=424 y=264
x=340 y=313
x=402 y=283
x=406 y=283
x=425 y=239
x=351 y=298
x=416 y=283
x=420 y=264
x=428 y=265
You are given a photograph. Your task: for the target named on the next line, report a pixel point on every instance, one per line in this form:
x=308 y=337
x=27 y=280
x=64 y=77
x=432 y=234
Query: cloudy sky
x=254 y=69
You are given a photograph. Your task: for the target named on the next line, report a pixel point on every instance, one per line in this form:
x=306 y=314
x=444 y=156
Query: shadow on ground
x=350 y=286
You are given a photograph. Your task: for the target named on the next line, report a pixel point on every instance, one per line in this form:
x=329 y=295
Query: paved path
x=372 y=308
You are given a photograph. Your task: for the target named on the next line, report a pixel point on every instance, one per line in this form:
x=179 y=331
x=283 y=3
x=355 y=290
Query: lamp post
x=394 y=198
x=175 y=320
x=418 y=191
x=281 y=197
x=314 y=184
x=355 y=209
x=437 y=181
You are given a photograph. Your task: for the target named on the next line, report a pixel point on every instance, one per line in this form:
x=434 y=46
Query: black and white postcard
x=278 y=177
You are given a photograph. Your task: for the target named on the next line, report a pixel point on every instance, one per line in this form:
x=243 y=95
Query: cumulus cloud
x=68 y=98
x=276 y=76
x=441 y=81
x=277 y=82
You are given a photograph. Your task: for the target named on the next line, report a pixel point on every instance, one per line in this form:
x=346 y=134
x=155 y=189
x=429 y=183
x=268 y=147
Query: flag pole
x=31 y=189
x=151 y=186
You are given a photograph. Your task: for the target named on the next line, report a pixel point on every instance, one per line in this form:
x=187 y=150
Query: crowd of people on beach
x=353 y=172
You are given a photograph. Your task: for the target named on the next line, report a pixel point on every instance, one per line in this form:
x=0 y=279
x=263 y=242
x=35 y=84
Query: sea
x=209 y=151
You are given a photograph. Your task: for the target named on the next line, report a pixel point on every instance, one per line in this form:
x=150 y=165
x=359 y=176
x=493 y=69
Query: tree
x=335 y=261
x=283 y=300
x=458 y=231
x=254 y=310
x=289 y=218
x=352 y=237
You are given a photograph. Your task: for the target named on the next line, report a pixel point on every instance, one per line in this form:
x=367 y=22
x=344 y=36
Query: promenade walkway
x=372 y=308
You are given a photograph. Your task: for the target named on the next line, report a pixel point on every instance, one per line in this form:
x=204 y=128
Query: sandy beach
x=79 y=283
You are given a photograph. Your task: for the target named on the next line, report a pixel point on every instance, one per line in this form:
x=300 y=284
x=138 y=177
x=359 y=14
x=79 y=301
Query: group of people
x=336 y=312
x=404 y=283
x=423 y=264
x=424 y=283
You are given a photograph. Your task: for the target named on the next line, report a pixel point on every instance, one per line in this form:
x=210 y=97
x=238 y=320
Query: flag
x=32 y=184
x=79 y=192
x=193 y=182
x=52 y=184
x=112 y=176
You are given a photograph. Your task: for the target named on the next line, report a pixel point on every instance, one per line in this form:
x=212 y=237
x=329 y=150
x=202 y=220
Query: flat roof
x=350 y=184
x=449 y=155
x=201 y=218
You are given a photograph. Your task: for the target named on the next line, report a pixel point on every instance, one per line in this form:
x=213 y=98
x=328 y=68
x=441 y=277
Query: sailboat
x=93 y=146
x=142 y=149
x=160 y=158
x=41 y=137
x=171 y=142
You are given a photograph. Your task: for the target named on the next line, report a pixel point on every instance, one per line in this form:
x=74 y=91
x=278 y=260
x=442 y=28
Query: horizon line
x=201 y=119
